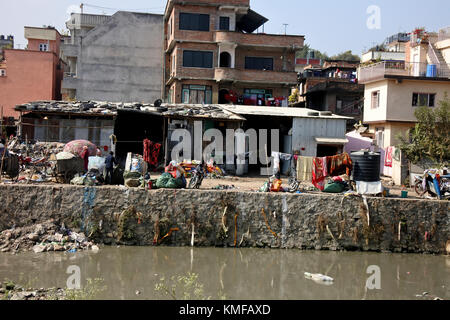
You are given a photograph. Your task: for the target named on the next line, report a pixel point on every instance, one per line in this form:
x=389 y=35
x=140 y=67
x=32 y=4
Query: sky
x=331 y=26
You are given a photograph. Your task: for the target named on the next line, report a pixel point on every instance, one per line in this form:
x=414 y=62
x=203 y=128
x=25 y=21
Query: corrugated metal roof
x=281 y=112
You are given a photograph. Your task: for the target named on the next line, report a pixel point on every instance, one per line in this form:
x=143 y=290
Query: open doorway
x=326 y=150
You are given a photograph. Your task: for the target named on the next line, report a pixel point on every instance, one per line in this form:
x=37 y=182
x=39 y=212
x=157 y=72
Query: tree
x=346 y=56
x=430 y=138
x=303 y=53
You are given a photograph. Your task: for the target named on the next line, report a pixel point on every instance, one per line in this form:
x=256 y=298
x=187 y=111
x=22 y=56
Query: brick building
x=31 y=74
x=213 y=56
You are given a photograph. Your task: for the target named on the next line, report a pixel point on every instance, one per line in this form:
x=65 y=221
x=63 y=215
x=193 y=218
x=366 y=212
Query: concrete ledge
x=303 y=221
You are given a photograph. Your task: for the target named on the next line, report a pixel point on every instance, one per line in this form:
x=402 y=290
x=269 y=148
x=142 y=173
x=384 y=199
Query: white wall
x=305 y=130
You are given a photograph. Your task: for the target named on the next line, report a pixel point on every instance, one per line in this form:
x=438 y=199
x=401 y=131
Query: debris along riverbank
x=12 y=291
x=114 y=215
x=43 y=237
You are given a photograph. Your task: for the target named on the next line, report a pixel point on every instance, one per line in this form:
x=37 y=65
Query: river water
x=239 y=274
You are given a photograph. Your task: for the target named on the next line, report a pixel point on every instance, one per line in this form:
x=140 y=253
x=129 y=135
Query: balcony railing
x=246 y=75
x=258 y=39
x=444 y=34
x=400 y=68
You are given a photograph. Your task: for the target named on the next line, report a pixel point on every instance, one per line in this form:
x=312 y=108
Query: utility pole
x=285 y=27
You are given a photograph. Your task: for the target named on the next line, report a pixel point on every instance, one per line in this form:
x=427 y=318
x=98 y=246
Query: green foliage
x=430 y=138
x=293 y=98
x=90 y=291
x=303 y=53
x=185 y=287
x=346 y=56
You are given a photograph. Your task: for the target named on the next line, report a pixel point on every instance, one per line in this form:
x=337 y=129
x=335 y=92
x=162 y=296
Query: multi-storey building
x=212 y=55
x=31 y=74
x=333 y=87
x=114 y=58
x=395 y=89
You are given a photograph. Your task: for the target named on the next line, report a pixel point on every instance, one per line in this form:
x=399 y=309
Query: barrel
x=366 y=166
x=431 y=70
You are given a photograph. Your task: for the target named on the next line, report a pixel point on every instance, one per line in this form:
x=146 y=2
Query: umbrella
x=76 y=147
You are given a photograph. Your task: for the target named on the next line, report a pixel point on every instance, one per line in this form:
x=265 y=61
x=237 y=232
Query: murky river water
x=239 y=273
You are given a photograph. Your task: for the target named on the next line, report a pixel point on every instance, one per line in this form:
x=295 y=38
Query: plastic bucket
x=404 y=194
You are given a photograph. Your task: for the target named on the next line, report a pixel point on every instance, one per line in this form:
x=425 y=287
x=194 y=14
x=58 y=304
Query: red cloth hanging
x=151 y=152
x=318 y=179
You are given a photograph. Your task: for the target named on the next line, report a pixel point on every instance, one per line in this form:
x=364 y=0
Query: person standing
x=110 y=161
x=85 y=157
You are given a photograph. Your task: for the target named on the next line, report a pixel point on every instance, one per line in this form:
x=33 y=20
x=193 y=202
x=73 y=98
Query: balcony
x=245 y=75
x=383 y=55
x=70 y=81
x=70 y=50
x=83 y=20
x=260 y=40
x=379 y=70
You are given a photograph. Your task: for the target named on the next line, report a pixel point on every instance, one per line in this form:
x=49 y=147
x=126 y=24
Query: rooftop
x=210 y=111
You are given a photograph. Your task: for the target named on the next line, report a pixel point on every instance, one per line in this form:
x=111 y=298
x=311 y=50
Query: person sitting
x=177 y=172
x=275 y=185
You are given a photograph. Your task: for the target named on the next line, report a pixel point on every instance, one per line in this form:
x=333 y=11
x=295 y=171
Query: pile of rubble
x=44 y=237
x=11 y=291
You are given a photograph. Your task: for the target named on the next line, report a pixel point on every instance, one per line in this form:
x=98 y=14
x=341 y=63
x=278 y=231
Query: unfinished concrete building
x=114 y=58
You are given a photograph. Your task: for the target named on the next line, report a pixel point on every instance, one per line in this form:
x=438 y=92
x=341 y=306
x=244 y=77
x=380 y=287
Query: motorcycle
x=198 y=174
x=433 y=184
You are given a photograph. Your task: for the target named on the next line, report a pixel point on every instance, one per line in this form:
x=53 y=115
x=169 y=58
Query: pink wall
x=30 y=76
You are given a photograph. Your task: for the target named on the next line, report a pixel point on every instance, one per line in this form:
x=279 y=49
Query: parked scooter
x=433 y=184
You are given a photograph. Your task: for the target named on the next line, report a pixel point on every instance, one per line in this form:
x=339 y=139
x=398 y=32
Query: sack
x=132 y=183
x=334 y=187
x=162 y=181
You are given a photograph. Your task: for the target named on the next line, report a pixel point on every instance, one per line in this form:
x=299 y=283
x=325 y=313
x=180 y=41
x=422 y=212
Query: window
x=197 y=59
x=257 y=63
x=43 y=47
x=2 y=73
x=423 y=99
x=196 y=94
x=375 y=99
x=194 y=21
x=224 y=23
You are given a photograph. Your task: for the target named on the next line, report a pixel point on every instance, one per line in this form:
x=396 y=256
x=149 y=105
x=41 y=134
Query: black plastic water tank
x=366 y=166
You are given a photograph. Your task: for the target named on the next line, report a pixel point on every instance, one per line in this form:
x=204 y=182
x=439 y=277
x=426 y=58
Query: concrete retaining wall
x=304 y=221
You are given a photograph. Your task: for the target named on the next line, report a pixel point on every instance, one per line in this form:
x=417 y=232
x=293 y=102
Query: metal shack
x=310 y=132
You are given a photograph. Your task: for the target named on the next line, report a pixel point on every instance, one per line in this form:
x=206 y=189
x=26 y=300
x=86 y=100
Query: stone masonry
x=113 y=215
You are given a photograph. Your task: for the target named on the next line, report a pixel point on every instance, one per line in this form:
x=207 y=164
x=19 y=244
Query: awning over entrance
x=325 y=140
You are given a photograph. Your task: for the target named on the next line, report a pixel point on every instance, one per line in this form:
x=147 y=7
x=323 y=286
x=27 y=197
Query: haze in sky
x=331 y=26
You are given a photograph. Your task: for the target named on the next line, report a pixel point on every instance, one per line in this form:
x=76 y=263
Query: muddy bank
x=113 y=215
